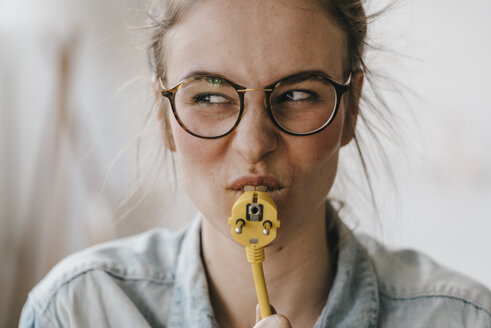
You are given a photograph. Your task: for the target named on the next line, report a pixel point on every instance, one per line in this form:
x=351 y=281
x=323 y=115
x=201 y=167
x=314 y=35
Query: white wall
x=445 y=180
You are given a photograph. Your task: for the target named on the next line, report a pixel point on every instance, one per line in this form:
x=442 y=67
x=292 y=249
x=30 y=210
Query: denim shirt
x=157 y=279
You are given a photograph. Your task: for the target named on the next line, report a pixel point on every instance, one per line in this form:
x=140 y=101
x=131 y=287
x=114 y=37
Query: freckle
x=280 y=248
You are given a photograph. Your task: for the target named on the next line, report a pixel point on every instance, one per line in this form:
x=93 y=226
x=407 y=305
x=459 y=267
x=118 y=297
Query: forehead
x=254 y=42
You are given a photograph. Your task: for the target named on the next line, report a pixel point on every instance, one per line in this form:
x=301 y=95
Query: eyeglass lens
x=207 y=107
x=303 y=104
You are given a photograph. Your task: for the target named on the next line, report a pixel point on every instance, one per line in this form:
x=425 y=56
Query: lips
x=270 y=182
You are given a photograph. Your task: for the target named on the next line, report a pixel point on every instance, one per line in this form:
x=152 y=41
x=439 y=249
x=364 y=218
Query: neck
x=297 y=268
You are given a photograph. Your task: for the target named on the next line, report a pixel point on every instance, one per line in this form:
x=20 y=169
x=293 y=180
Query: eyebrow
x=201 y=73
x=197 y=73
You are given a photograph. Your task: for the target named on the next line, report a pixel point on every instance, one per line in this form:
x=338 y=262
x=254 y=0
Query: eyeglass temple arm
x=348 y=82
x=162 y=85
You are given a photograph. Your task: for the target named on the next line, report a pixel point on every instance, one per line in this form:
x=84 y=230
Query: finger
x=274 y=321
x=258 y=312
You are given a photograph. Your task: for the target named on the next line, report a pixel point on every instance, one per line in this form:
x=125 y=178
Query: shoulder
x=413 y=287
x=149 y=256
x=127 y=271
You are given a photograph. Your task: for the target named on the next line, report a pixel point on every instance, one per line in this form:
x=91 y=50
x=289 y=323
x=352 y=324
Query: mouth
x=256 y=183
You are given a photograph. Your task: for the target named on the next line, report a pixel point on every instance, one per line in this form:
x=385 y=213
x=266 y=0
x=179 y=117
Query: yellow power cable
x=254 y=223
x=261 y=290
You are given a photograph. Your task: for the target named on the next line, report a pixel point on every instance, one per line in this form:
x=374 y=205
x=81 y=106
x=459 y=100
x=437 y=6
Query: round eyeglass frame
x=340 y=89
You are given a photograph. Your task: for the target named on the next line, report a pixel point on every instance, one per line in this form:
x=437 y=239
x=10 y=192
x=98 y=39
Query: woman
x=262 y=95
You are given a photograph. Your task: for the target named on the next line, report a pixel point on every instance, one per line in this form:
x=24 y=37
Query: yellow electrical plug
x=253 y=224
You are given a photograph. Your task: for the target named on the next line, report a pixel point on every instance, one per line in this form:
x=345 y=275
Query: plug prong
x=267 y=227
x=238 y=226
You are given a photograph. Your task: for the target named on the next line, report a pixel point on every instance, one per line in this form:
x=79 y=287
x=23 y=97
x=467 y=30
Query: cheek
x=313 y=161
x=202 y=172
x=321 y=148
x=317 y=162
x=197 y=159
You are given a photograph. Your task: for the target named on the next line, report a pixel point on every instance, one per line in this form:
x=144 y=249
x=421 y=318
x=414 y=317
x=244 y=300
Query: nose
x=256 y=135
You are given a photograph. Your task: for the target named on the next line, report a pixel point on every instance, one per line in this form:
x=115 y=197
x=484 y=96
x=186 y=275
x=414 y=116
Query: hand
x=274 y=320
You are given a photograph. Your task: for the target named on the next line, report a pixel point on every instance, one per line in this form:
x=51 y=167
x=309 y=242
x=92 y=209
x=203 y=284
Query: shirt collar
x=352 y=302
x=191 y=302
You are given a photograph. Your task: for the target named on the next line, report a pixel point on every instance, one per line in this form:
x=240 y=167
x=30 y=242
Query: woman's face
x=254 y=43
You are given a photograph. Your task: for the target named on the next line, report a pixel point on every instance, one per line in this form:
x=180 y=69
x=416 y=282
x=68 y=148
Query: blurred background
x=81 y=159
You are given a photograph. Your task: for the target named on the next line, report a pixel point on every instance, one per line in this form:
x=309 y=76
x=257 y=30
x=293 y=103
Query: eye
x=211 y=99
x=297 y=95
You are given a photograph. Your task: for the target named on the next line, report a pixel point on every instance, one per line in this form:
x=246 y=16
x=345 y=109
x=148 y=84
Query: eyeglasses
x=211 y=107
